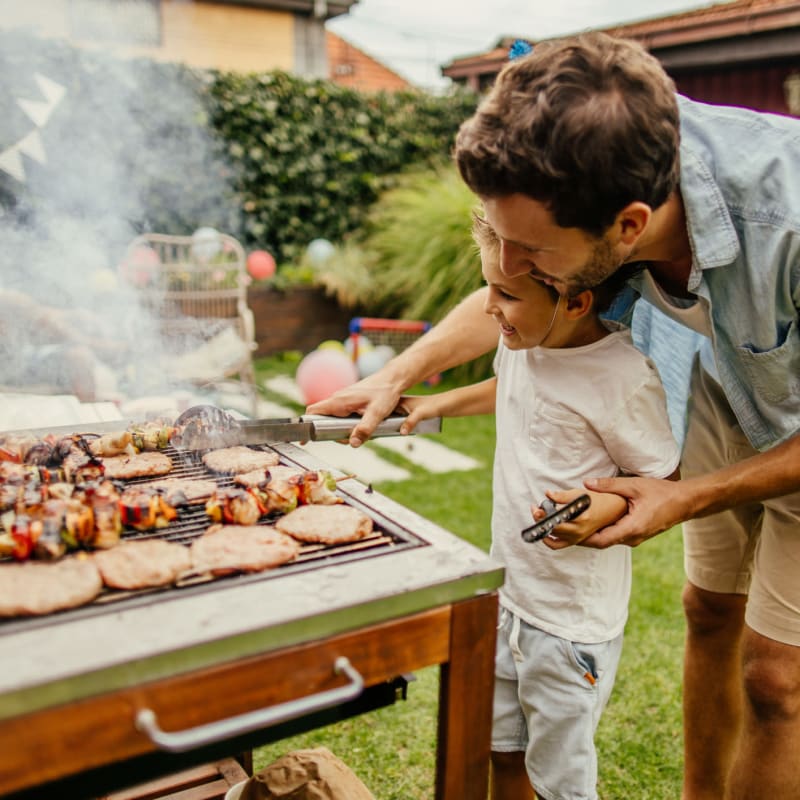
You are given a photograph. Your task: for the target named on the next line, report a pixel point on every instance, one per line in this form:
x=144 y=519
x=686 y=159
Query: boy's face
x=522 y=306
x=532 y=244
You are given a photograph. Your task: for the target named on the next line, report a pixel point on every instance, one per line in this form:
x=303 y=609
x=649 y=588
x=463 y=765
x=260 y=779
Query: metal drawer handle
x=181 y=741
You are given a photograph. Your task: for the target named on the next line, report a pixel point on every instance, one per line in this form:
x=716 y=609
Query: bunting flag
x=31 y=144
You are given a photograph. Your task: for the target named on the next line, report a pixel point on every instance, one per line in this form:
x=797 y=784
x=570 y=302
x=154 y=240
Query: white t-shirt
x=564 y=415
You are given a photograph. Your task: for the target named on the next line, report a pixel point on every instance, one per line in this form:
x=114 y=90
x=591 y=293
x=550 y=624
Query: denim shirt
x=740 y=185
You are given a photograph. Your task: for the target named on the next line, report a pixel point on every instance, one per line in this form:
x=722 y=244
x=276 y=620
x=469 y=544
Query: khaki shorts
x=752 y=549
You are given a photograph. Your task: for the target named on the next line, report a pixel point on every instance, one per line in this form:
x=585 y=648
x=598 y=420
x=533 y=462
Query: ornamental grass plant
x=415 y=257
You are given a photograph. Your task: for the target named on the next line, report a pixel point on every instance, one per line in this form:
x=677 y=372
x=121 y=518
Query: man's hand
x=371 y=399
x=654 y=506
x=604 y=509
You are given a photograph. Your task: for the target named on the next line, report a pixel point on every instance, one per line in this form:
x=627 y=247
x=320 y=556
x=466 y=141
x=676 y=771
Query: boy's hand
x=418 y=408
x=604 y=510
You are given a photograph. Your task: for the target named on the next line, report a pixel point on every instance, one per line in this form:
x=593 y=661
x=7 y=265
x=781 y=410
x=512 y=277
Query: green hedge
x=311 y=157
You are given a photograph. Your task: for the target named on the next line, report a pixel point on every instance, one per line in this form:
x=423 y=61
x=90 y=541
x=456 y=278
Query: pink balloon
x=261 y=264
x=323 y=372
x=140 y=265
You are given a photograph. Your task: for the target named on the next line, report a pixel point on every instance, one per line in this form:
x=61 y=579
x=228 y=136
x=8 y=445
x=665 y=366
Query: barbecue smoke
x=95 y=149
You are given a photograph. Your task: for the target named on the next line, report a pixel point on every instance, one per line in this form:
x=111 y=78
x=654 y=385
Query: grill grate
x=192 y=522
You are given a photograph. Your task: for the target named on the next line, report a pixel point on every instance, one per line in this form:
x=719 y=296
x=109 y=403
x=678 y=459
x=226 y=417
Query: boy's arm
x=477 y=398
x=465 y=333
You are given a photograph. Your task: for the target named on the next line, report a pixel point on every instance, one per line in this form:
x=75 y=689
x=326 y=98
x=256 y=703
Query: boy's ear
x=579 y=305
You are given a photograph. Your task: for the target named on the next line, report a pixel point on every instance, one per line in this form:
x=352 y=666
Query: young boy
x=571 y=399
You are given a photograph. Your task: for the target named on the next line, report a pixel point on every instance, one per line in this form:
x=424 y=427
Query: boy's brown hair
x=584 y=125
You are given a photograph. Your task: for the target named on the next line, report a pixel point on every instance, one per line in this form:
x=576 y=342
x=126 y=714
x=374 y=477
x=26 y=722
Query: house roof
x=489 y=61
x=722 y=20
x=351 y=67
x=752 y=29
x=721 y=34
x=323 y=9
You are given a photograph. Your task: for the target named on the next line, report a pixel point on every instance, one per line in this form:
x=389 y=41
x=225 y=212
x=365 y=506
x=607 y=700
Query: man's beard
x=602 y=263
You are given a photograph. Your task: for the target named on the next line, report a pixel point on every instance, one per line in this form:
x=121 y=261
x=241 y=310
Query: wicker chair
x=195 y=289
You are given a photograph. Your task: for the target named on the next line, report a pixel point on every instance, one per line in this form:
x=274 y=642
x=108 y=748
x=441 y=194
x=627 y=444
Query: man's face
x=532 y=243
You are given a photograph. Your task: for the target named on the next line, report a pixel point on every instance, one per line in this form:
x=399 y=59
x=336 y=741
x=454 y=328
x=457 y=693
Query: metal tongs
x=207 y=427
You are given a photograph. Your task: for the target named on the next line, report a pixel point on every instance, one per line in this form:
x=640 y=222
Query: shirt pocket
x=774 y=374
x=558 y=435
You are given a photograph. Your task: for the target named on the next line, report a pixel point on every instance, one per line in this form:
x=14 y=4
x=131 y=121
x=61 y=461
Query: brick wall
x=299 y=319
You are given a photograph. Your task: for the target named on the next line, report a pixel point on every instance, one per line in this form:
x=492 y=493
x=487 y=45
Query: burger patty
x=256 y=477
x=234 y=460
x=143 y=564
x=180 y=491
x=327 y=524
x=140 y=465
x=33 y=588
x=242 y=548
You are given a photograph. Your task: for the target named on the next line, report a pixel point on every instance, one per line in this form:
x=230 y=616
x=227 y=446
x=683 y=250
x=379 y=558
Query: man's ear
x=631 y=222
x=579 y=305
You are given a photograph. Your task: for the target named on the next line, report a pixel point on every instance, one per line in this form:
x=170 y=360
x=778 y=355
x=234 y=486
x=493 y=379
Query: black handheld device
x=540 y=529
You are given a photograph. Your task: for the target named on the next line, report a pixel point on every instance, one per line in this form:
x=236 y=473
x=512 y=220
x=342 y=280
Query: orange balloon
x=261 y=264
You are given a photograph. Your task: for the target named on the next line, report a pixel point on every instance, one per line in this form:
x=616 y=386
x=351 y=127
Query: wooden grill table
x=104 y=697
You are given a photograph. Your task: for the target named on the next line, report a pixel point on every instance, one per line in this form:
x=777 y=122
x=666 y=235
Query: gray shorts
x=548 y=697
x=753 y=549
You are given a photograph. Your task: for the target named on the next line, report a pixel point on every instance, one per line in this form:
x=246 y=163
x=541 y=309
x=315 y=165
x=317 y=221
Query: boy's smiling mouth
x=505 y=328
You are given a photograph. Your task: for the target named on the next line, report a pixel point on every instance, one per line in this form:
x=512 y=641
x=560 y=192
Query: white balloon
x=206 y=243
x=368 y=361
x=385 y=352
x=319 y=251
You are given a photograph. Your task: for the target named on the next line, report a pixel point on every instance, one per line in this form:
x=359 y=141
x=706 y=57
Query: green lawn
x=639 y=741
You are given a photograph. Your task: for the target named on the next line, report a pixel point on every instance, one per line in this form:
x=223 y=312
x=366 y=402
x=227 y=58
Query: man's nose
x=489 y=305
x=513 y=261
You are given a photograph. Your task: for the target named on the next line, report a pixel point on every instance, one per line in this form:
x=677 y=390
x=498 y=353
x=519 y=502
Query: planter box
x=298 y=319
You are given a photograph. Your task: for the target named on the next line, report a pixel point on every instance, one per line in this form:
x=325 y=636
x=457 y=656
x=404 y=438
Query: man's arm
x=465 y=333
x=657 y=505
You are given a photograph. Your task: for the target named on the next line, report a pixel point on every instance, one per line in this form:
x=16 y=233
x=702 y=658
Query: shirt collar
x=712 y=236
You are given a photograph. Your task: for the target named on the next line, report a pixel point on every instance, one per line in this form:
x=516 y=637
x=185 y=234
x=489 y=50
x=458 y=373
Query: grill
x=234 y=658
x=193 y=521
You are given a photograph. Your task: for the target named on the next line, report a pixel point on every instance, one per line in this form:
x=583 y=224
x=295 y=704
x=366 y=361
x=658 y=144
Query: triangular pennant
x=32 y=146
x=50 y=89
x=37 y=110
x=11 y=162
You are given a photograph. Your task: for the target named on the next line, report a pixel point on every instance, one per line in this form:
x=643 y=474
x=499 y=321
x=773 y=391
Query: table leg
x=465 y=702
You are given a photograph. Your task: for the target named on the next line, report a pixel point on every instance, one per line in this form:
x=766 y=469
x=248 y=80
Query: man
x=584 y=161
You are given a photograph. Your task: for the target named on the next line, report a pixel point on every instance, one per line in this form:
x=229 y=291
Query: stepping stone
x=425 y=452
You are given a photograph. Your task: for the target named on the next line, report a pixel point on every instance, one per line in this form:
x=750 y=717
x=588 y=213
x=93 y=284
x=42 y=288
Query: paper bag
x=315 y=774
